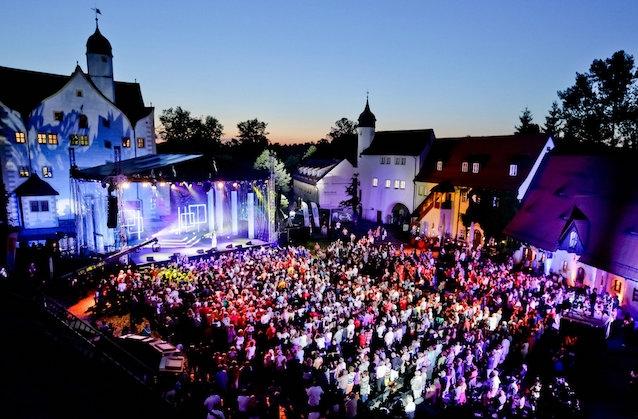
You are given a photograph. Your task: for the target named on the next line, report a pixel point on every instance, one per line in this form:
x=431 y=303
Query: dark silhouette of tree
x=253 y=133
x=353 y=202
x=342 y=127
x=491 y=209
x=181 y=129
x=553 y=122
x=527 y=125
x=602 y=105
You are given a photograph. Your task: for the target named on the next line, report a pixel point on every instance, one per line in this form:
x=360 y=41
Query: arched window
x=573 y=239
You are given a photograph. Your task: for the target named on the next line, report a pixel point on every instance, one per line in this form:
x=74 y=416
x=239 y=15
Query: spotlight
x=162 y=183
x=220 y=185
x=125 y=185
x=292 y=213
x=173 y=186
x=190 y=185
x=145 y=184
x=235 y=185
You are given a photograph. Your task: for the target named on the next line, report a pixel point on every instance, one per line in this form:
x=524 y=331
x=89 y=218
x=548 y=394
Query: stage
x=200 y=248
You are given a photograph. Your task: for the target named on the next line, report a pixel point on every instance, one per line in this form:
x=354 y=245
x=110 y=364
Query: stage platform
x=201 y=248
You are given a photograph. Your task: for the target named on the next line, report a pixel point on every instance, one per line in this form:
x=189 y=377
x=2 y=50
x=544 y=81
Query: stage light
x=162 y=183
x=220 y=185
x=235 y=184
x=173 y=186
x=125 y=185
x=190 y=185
x=145 y=184
x=292 y=213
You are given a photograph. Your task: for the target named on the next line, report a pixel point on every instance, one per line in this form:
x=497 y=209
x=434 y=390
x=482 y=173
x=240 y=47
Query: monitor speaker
x=150 y=259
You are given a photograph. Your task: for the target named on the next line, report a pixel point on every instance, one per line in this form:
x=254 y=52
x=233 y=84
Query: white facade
x=329 y=190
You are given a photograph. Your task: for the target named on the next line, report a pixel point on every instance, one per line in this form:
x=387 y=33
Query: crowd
x=357 y=326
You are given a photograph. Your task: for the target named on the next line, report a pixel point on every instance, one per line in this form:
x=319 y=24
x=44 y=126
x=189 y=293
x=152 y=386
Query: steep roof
x=98 y=44
x=367 y=118
x=494 y=155
x=313 y=170
x=34 y=186
x=595 y=194
x=401 y=143
x=24 y=90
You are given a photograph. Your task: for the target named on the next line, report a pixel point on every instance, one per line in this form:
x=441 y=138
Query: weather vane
x=97 y=12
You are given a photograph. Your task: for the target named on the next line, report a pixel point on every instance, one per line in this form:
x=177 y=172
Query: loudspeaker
x=239 y=246
x=150 y=259
x=200 y=251
x=230 y=246
x=249 y=243
x=111 y=221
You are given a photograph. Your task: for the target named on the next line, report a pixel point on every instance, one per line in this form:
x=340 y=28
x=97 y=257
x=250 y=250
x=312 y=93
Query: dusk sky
x=459 y=67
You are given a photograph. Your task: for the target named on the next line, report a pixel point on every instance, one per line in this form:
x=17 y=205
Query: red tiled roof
x=494 y=155
x=602 y=190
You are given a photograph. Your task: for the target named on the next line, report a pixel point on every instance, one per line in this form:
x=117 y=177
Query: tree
x=342 y=127
x=253 y=133
x=180 y=128
x=491 y=209
x=353 y=202
x=527 y=125
x=282 y=177
x=602 y=105
x=553 y=122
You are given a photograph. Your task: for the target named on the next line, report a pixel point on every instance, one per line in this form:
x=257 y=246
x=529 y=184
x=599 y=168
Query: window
x=463 y=196
x=24 y=171
x=21 y=137
x=58 y=115
x=387 y=183
x=421 y=190
x=399 y=160
x=573 y=239
x=396 y=184
x=617 y=286
x=42 y=138
x=402 y=184
x=464 y=167
x=84 y=140
x=83 y=121
x=106 y=123
x=513 y=169
x=375 y=181
x=126 y=142
x=79 y=93
x=387 y=160
x=495 y=202
x=108 y=144
x=52 y=139
x=475 y=167
x=382 y=160
x=47 y=171
x=39 y=206
x=74 y=139
x=439 y=165
x=140 y=142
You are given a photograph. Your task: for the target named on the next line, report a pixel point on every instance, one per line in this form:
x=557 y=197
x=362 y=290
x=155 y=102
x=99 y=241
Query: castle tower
x=99 y=62
x=365 y=129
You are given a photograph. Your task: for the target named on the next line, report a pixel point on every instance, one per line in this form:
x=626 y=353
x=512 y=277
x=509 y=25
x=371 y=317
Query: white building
x=387 y=163
x=323 y=182
x=44 y=116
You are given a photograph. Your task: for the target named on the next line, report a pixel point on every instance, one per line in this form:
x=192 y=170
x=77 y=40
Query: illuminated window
x=47 y=171
x=21 y=137
x=396 y=184
x=74 y=139
x=475 y=167
x=573 y=239
x=421 y=190
x=387 y=183
x=58 y=115
x=84 y=140
x=24 y=171
x=565 y=266
x=464 y=167
x=513 y=169
x=375 y=181
x=140 y=142
x=617 y=287
x=439 y=165
x=402 y=184
x=126 y=142
x=52 y=139
x=83 y=121
x=495 y=202
x=42 y=138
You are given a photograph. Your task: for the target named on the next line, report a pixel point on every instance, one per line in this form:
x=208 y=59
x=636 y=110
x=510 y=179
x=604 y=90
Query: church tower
x=99 y=62
x=365 y=130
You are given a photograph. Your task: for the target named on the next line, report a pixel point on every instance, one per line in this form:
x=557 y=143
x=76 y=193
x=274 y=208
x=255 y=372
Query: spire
x=367 y=118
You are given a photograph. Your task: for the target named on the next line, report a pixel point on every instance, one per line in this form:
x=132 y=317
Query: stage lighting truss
x=193 y=217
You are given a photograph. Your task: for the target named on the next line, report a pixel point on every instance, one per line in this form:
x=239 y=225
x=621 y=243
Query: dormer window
x=475 y=167
x=573 y=239
x=513 y=169
x=464 y=167
x=439 y=165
